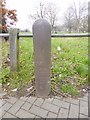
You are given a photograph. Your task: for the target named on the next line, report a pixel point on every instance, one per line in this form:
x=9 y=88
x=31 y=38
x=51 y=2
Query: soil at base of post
x=32 y=92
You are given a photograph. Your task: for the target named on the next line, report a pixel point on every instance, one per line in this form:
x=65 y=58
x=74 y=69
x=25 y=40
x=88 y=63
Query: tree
x=84 y=24
x=69 y=20
x=52 y=14
x=40 y=11
x=79 y=14
x=7 y=17
x=76 y=17
x=48 y=11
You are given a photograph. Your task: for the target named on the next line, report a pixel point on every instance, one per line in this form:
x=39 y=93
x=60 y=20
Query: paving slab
x=23 y=98
x=39 y=102
x=83 y=116
x=3 y=102
x=49 y=100
x=63 y=113
x=72 y=101
x=24 y=114
x=83 y=107
x=0 y=112
x=0 y=103
x=33 y=107
x=11 y=100
x=6 y=106
x=50 y=107
x=31 y=99
x=26 y=106
x=51 y=115
x=14 y=109
x=8 y=115
x=61 y=103
x=74 y=111
x=38 y=111
x=84 y=98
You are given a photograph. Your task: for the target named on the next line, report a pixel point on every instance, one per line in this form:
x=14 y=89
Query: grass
x=69 y=65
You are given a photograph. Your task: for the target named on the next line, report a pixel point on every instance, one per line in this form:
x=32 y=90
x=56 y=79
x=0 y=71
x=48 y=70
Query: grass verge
x=69 y=66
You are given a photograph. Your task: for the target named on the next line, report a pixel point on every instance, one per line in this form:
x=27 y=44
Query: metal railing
x=14 y=36
x=53 y=35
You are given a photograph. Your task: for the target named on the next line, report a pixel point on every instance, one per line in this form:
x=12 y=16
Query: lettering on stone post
x=14 y=50
x=42 y=56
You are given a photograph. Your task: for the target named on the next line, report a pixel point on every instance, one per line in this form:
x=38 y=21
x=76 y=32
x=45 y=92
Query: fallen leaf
x=84 y=90
x=60 y=75
x=29 y=88
x=8 y=84
x=58 y=48
x=14 y=90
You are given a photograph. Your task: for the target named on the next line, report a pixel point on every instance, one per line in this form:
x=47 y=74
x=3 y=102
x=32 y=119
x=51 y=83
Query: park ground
x=69 y=70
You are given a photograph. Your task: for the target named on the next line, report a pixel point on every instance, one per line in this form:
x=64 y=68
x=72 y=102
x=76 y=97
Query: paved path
x=32 y=107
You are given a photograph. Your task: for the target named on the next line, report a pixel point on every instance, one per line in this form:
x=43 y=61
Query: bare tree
x=48 y=11
x=52 y=14
x=76 y=16
x=69 y=20
x=40 y=11
x=84 y=24
x=79 y=13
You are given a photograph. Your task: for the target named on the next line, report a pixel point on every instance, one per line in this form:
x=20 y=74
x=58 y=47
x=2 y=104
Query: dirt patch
x=29 y=90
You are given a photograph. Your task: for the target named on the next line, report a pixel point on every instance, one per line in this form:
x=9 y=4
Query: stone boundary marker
x=42 y=56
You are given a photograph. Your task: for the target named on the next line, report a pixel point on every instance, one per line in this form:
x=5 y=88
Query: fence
x=42 y=47
x=53 y=35
x=14 y=36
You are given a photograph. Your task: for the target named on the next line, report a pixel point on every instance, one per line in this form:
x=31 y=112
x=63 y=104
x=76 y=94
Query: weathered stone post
x=14 y=50
x=42 y=56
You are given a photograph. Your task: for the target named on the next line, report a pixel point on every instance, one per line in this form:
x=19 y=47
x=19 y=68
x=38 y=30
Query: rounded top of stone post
x=41 y=22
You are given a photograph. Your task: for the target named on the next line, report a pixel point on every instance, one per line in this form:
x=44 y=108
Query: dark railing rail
x=53 y=35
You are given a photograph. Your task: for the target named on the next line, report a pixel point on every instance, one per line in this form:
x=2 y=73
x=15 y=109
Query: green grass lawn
x=69 y=70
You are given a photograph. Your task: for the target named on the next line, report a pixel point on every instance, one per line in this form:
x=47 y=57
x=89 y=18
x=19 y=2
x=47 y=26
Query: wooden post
x=0 y=53
x=14 y=50
x=89 y=60
x=0 y=42
x=42 y=56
